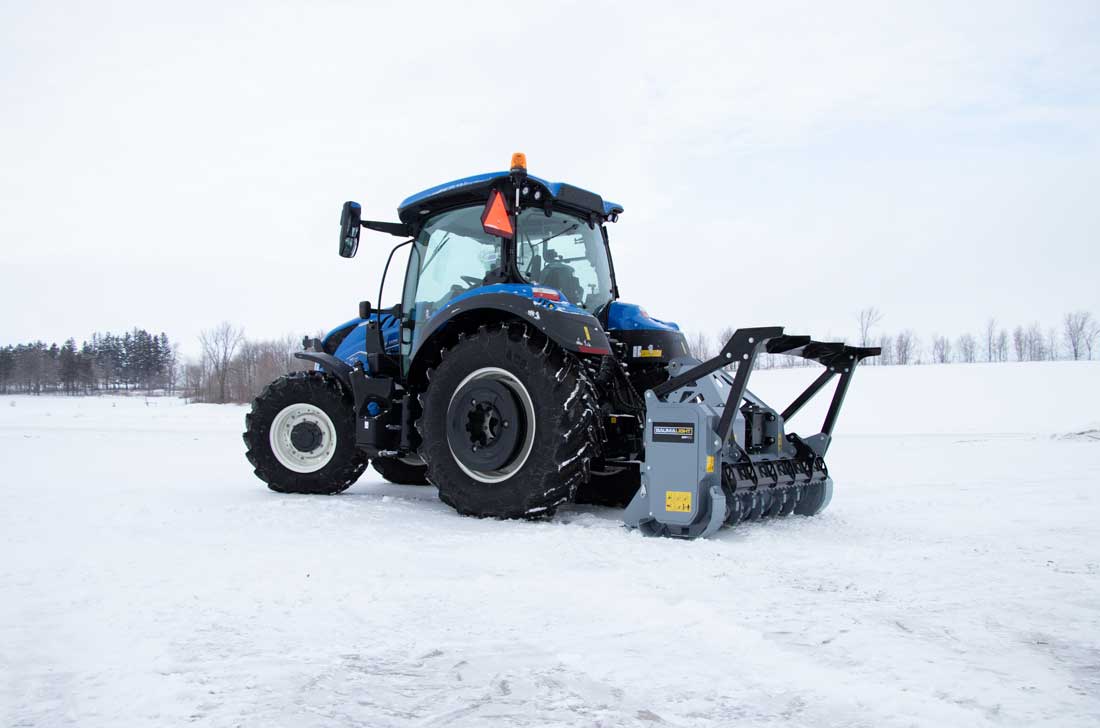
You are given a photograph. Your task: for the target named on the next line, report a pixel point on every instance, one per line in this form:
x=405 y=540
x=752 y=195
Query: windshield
x=563 y=252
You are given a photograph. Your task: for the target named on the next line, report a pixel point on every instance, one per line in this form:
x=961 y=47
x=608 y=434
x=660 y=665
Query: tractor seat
x=563 y=278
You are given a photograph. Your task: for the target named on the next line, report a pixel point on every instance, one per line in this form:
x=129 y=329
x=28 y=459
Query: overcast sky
x=171 y=165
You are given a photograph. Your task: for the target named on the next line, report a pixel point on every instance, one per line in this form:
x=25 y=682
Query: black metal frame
x=837 y=358
x=743 y=348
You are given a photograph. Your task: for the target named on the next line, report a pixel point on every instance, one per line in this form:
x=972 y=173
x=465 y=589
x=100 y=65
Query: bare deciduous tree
x=259 y=362
x=699 y=344
x=990 y=338
x=941 y=349
x=1019 y=342
x=886 y=343
x=1092 y=337
x=219 y=345
x=1077 y=325
x=905 y=347
x=968 y=348
x=1036 y=349
x=868 y=319
x=726 y=334
x=1002 y=345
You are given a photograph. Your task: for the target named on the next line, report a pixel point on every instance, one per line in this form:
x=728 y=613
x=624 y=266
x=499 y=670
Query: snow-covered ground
x=147 y=578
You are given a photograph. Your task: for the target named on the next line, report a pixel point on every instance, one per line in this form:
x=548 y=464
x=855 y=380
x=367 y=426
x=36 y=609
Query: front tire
x=300 y=436
x=508 y=425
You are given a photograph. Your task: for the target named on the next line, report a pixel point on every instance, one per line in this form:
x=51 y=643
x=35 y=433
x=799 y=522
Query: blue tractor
x=513 y=379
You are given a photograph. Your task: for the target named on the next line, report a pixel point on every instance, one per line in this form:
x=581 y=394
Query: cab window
x=562 y=252
x=451 y=255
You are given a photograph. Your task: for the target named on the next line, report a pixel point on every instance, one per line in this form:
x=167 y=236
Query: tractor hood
x=475 y=190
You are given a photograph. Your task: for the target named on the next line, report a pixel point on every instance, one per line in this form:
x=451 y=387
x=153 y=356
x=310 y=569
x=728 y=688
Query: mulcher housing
x=513 y=378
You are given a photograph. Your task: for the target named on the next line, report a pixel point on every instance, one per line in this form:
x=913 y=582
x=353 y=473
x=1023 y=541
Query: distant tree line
x=136 y=359
x=233 y=368
x=1078 y=337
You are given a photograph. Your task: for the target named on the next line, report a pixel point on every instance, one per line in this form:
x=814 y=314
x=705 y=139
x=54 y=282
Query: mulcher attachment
x=716 y=454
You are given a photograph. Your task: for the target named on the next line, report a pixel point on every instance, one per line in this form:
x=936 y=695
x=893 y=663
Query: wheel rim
x=490 y=425
x=303 y=438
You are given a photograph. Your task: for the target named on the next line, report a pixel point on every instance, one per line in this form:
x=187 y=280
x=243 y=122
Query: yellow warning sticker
x=647 y=353
x=678 y=501
x=710 y=463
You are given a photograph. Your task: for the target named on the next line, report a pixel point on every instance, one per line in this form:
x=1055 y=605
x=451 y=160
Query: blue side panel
x=353 y=347
x=631 y=316
x=525 y=291
x=330 y=334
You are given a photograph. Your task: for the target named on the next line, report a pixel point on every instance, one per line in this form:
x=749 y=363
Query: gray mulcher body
x=710 y=462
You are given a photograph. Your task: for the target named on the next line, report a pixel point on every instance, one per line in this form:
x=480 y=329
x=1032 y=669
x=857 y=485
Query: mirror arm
x=399 y=229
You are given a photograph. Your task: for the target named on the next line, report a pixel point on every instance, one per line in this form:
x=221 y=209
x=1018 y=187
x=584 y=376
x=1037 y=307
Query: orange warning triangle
x=495 y=219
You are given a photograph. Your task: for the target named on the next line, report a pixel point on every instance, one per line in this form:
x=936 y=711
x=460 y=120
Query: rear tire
x=400 y=472
x=509 y=424
x=300 y=436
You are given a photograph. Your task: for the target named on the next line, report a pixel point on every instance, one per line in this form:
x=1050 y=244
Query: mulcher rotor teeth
x=767 y=502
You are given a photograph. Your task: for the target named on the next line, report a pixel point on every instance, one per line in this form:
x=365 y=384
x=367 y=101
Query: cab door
x=408 y=306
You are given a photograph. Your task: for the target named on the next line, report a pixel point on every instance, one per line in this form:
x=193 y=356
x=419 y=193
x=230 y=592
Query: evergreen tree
x=7 y=367
x=86 y=372
x=167 y=362
x=68 y=366
x=126 y=357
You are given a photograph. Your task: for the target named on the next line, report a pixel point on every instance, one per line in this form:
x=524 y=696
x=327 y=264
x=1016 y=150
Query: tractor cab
x=511 y=239
x=508 y=228
x=559 y=256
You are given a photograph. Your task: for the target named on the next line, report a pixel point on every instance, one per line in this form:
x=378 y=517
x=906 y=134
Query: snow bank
x=117 y=412
x=1029 y=397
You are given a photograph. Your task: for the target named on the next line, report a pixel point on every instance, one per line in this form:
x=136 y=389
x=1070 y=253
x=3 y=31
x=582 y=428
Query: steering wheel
x=473 y=282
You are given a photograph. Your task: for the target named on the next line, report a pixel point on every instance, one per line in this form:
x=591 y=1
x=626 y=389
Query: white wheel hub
x=315 y=437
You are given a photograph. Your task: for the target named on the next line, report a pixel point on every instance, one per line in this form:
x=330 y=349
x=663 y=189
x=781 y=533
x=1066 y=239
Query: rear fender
x=577 y=332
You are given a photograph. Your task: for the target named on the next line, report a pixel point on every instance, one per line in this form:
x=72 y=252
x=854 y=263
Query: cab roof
x=475 y=190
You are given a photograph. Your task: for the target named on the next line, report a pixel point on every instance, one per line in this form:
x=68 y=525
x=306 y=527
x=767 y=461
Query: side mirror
x=364 y=309
x=349 y=229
